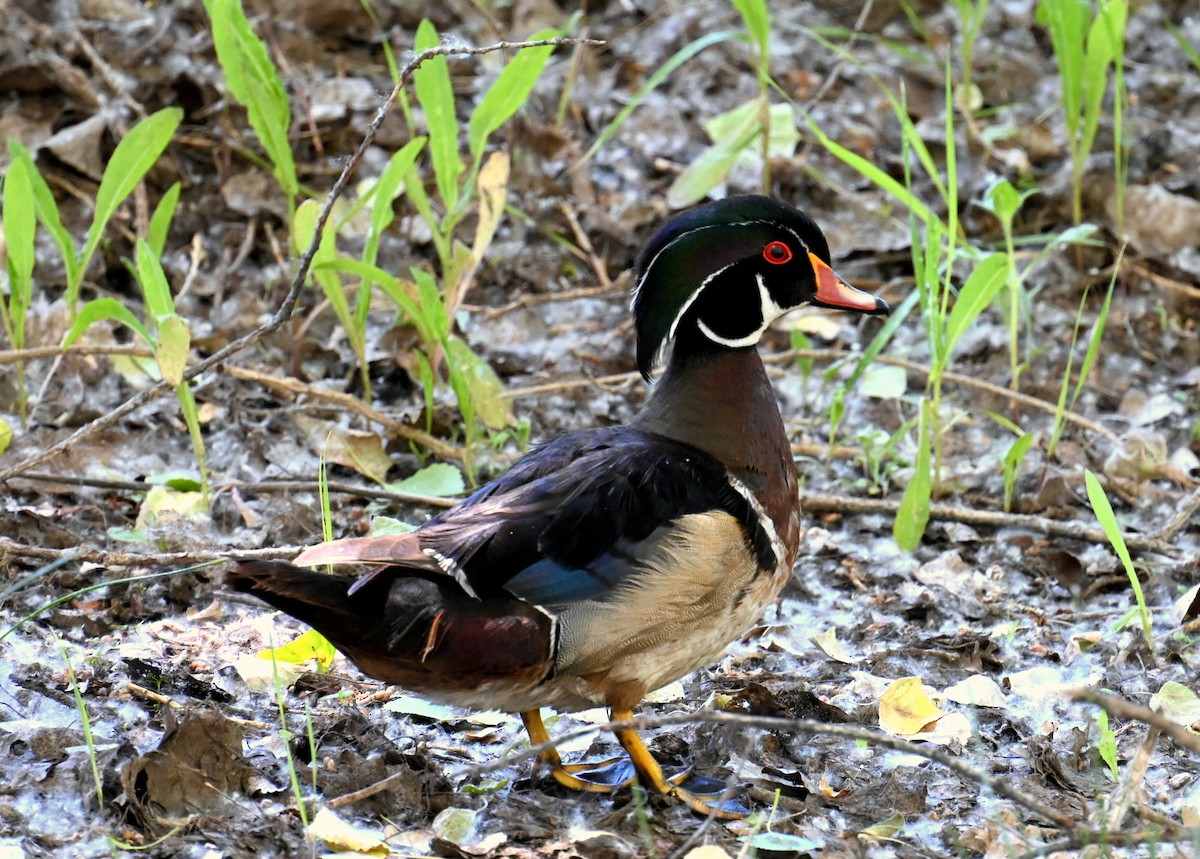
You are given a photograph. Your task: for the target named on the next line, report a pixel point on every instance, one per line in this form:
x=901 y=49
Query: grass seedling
x=164 y=330
x=1085 y=48
x=772 y=128
x=1112 y=529
x=131 y=160
x=85 y=720
x=1089 y=359
x=19 y=228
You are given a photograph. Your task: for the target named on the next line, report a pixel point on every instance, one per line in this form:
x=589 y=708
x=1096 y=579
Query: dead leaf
x=906 y=709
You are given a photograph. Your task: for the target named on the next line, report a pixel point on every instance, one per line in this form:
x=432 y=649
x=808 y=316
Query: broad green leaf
x=255 y=83
x=160 y=221
x=913 y=515
x=1107 y=745
x=47 y=208
x=1067 y=22
x=106 y=308
x=508 y=93
x=171 y=350
x=985 y=281
x=483 y=387
x=436 y=95
x=441 y=479
x=128 y=535
x=711 y=167
x=6 y=435
x=131 y=160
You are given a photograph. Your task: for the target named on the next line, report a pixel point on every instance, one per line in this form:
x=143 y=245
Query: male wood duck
x=608 y=562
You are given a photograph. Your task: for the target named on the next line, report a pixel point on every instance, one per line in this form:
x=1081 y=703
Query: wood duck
x=608 y=562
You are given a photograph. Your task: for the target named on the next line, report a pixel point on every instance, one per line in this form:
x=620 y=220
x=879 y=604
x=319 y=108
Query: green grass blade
x=913 y=515
x=973 y=298
x=255 y=83
x=160 y=221
x=106 y=308
x=153 y=281
x=660 y=74
x=47 y=208
x=436 y=95
x=508 y=93
x=20 y=226
x=1112 y=530
x=131 y=160
x=758 y=23
x=874 y=174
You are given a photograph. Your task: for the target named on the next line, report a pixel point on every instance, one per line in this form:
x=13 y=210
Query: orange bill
x=832 y=291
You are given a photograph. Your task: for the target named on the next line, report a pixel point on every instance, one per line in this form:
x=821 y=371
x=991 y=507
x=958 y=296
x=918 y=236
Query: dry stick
x=1186 y=514
x=287 y=306
x=10 y=549
x=350 y=403
x=774 y=723
x=168 y=701
x=299 y=484
x=1135 y=776
x=1123 y=709
x=41 y=353
x=991 y=518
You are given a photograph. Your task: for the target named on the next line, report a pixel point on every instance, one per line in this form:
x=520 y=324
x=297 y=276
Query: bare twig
x=1123 y=709
x=815 y=503
x=350 y=403
x=304 y=264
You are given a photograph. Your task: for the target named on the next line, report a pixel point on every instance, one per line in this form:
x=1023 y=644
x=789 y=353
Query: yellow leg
x=564 y=774
x=650 y=774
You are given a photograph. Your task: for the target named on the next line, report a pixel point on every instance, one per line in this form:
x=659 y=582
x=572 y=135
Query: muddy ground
x=182 y=751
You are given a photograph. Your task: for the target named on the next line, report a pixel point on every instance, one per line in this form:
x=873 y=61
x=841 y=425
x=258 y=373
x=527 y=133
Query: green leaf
x=712 y=165
x=128 y=535
x=6 y=435
x=171 y=350
x=508 y=93
x=441 y=479
x=106 y=308
x=1107 y=746
x=989 y=276
x=47 y=208
x=1112 y=530
x=660 y=74
x=255 y=83
x=758 y=24
x=913 y=515
x=387 y=188
x=160 y=221
x=479 y=384
x=20 y=225
x=131 y=160
x=153 y=281
x=436 y=95
x=1011 y=465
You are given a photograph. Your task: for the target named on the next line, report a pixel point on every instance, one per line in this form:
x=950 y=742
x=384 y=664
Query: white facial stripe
x=691 y=298
x=768 y=524
x=767 y=307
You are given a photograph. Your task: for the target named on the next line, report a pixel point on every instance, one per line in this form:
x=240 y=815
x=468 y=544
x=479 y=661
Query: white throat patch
x=770 y=312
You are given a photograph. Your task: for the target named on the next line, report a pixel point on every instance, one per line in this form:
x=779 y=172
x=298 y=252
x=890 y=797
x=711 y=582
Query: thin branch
x=304 y=264
x=1123 y=709
x=814 y=503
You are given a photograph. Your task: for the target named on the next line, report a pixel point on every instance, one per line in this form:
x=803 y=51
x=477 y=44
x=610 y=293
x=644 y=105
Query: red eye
x=777 y=253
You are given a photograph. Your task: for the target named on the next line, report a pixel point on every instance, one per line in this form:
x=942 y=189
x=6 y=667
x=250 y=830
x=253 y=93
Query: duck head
x=725 y=271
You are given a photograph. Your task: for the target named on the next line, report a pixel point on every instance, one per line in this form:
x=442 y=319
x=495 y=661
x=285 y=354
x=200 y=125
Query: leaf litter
x=988 y=626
